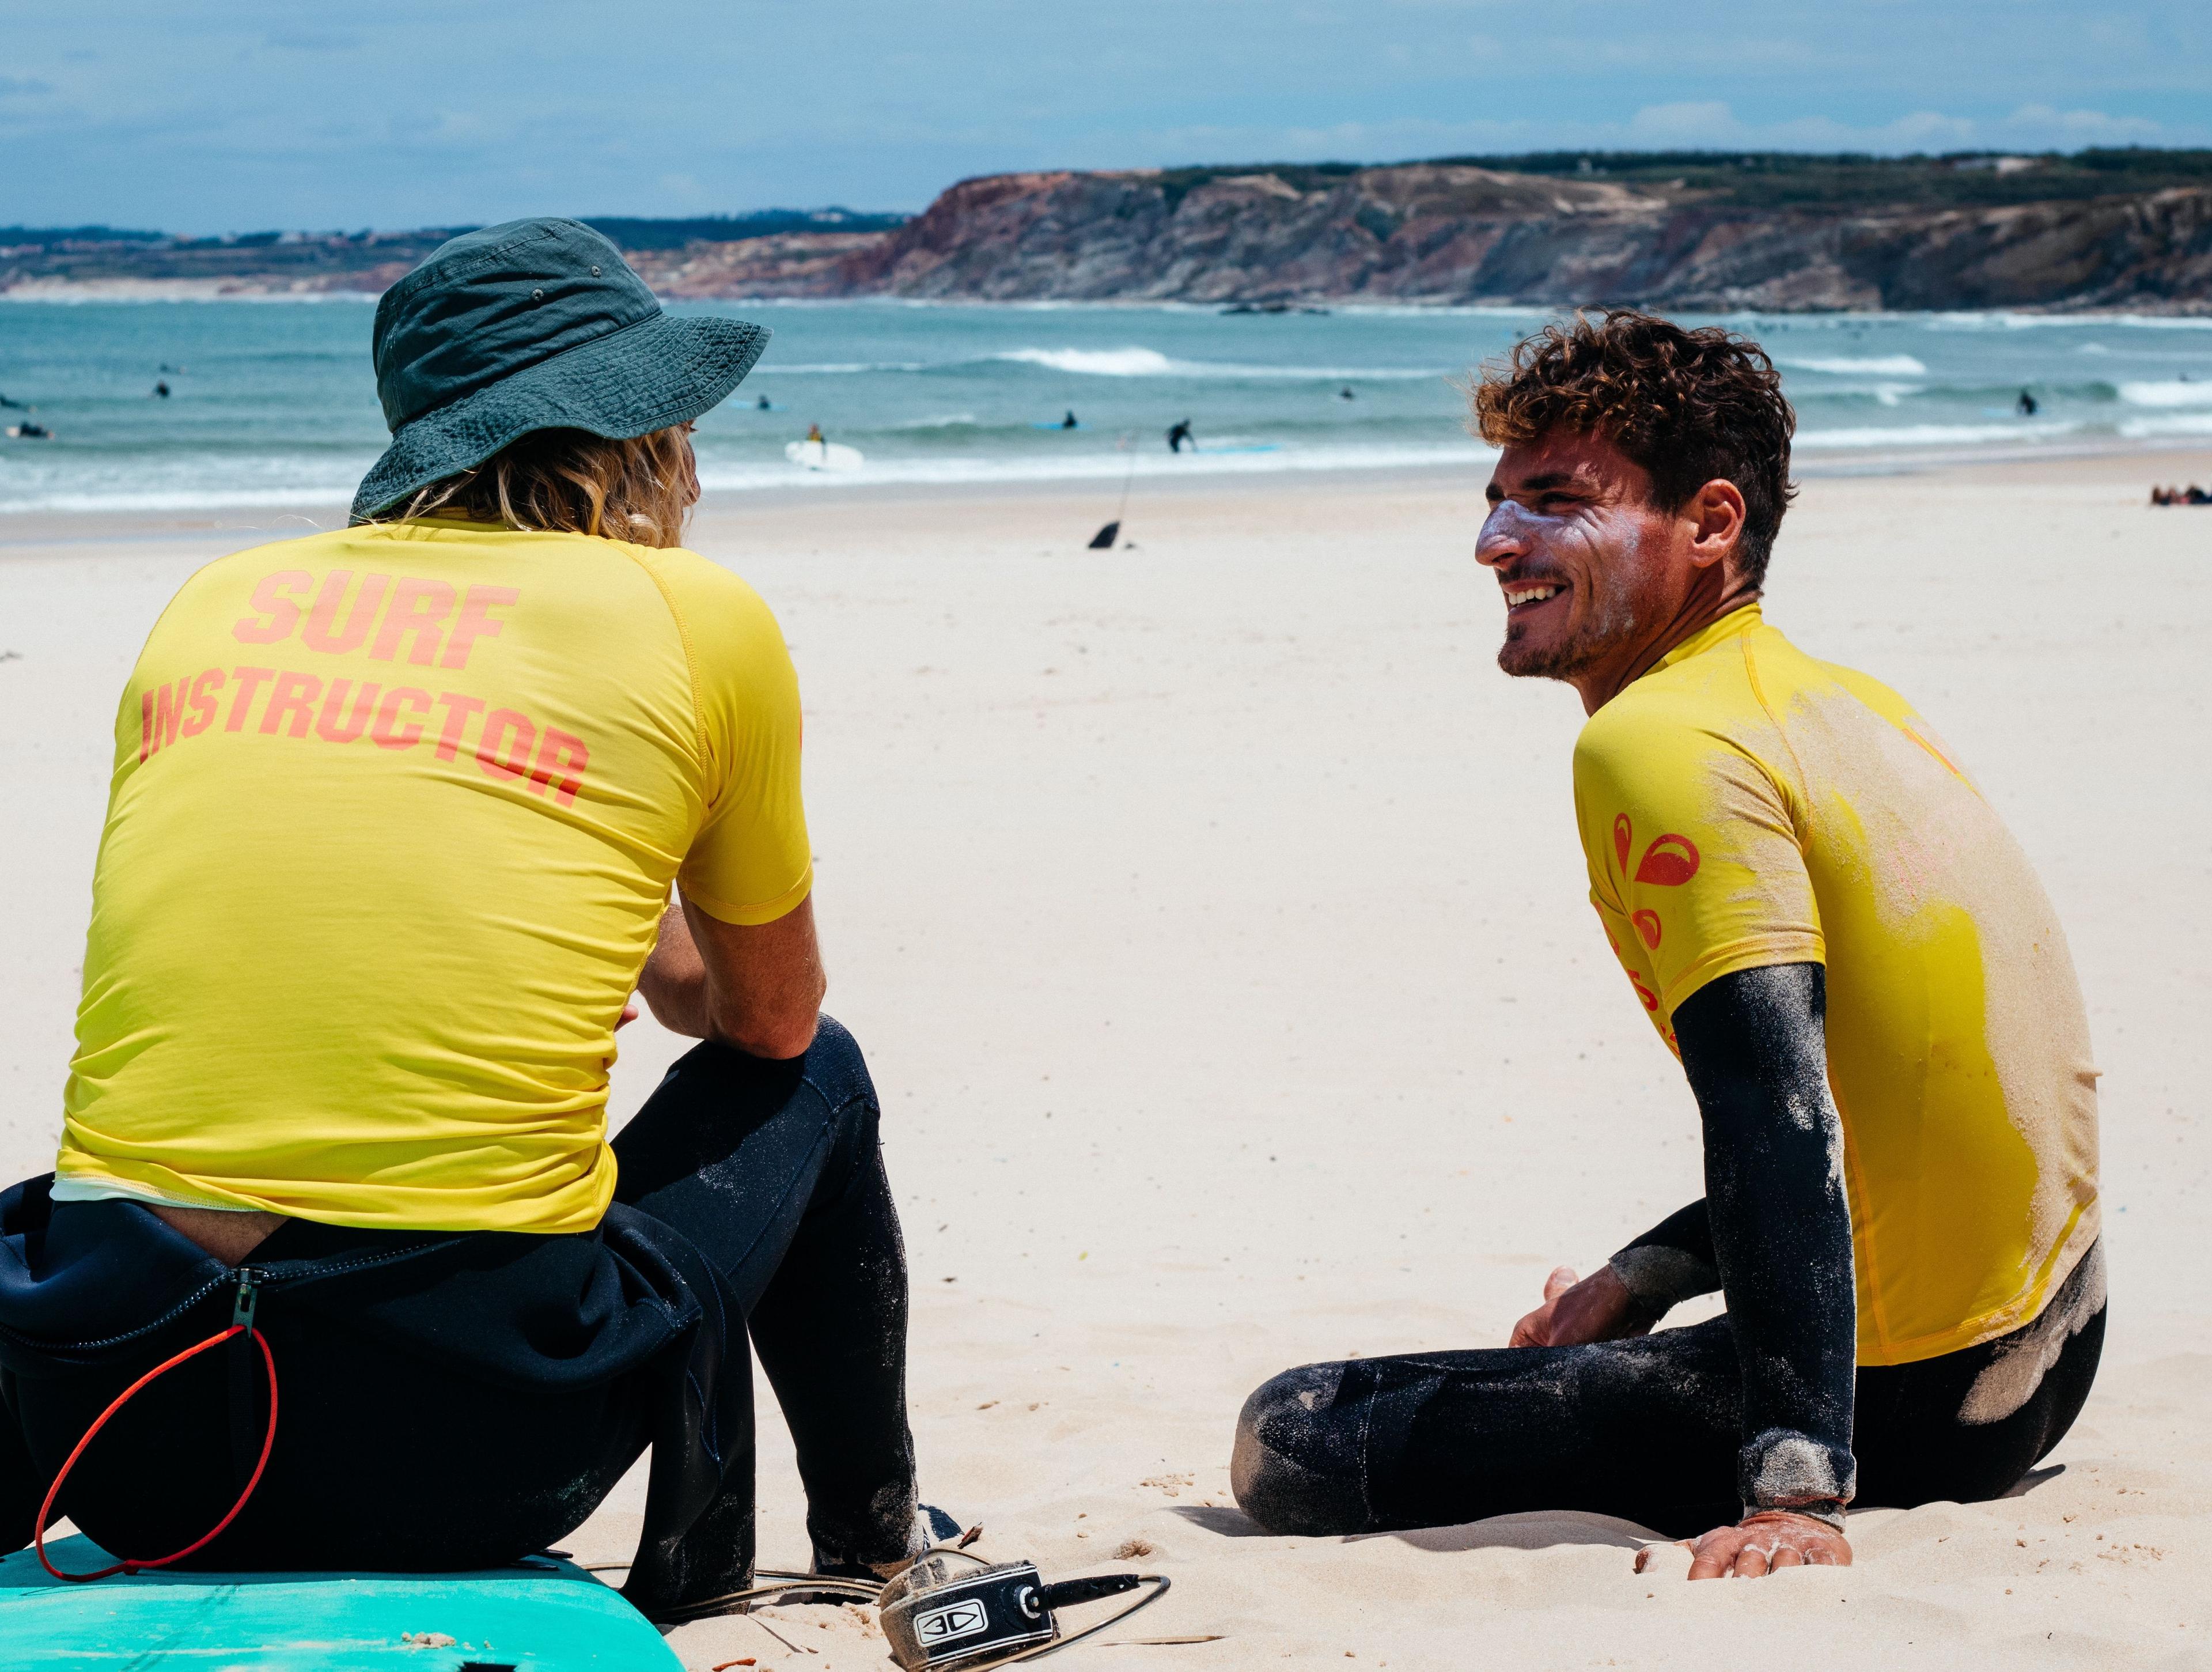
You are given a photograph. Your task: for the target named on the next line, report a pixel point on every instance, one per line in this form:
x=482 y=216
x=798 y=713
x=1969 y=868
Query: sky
x=181 y=116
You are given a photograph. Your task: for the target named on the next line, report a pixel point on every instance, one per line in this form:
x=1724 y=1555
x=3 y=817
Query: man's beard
x=1564 y=660
x=1585 y=647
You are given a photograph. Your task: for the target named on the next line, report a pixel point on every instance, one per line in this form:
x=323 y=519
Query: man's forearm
x=1671 y=1263
x=674 y=980
x=1780 y=1226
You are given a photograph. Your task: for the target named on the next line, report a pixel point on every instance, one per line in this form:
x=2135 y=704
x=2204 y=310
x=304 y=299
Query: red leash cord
x=242 y=1315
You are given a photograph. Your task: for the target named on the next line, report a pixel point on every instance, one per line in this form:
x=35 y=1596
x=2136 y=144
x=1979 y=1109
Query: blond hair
x=572 y=482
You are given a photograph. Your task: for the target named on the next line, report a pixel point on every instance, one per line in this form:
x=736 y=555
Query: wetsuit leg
x=21 y=1486
x=1645 y=1429
x=774 y=1170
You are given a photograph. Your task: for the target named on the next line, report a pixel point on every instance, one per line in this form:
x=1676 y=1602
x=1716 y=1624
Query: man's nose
x=1501 y=539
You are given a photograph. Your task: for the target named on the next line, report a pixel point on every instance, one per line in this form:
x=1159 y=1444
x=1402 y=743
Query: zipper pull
x=241 y=1310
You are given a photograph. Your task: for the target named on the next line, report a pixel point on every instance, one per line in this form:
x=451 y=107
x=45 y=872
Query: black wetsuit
x=453 y=1402
x=1686 y=1430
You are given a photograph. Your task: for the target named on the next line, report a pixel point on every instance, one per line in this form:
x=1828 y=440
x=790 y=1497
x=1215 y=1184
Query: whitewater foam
x=1871 y=365
x=2166 y=394
x=1151 y=362
x=1931 y=436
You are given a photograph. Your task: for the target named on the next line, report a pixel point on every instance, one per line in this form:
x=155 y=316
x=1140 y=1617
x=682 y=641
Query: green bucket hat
x=534 y=325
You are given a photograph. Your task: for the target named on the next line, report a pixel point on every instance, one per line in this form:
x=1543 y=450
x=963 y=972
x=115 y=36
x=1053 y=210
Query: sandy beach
x=1212 y=915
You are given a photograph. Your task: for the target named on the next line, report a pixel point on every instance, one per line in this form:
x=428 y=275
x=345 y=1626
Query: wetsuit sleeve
x=1671 y=1263
x=1754 y=1044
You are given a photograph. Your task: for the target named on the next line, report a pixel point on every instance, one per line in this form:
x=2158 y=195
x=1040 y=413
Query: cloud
x=22 y=87
x=2081 y=126
x=1685 y=123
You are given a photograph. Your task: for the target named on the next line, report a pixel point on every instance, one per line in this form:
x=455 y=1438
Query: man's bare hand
x=1597 y=1308
x=1763 y=1543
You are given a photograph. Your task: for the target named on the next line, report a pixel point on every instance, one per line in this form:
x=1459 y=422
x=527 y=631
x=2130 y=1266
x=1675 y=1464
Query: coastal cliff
x=2128 y=229
x=1454 y=232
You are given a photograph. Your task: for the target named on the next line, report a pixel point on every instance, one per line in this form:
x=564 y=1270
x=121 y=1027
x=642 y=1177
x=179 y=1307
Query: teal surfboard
x=540 y=1615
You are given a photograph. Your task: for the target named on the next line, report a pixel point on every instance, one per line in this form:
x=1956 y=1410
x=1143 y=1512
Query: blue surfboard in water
x=541 y=1616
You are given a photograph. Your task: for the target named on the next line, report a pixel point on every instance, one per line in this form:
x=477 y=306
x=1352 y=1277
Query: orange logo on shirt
x=1670 y=861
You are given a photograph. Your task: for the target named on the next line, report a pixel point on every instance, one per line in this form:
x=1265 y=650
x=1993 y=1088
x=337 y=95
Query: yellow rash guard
x=394 y=814
x=1742 y=804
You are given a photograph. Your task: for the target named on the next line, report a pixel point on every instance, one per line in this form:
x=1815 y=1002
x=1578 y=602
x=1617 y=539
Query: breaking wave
x=2166 y=394
x=1872 y=365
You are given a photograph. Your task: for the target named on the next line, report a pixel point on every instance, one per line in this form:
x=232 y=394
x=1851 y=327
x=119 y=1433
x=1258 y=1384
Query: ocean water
x=274 y=402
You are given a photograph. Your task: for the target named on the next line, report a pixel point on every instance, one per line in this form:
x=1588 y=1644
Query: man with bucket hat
x=396 y=815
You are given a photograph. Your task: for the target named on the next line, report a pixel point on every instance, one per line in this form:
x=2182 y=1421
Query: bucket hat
x=534 y=325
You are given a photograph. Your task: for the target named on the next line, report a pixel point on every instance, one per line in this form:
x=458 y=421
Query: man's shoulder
x=711 y=602
x=308 y=554
x=1705 y=697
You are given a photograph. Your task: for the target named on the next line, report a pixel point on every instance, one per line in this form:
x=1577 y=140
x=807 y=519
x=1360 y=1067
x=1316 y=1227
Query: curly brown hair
x=1688 y=406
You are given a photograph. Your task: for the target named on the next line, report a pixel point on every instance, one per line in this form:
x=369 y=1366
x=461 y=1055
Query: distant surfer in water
x=1870 y=995
x=2026 y=404
x=814 y=433
x=1069 y=422
x=1179 y=434
x=434 y=778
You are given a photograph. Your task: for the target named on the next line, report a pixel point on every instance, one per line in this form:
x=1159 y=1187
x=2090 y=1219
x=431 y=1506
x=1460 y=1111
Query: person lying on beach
x=396 y=815
x=1868 y=992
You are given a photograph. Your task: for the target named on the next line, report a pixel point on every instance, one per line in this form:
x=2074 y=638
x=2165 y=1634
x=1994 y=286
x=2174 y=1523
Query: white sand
x=1212 y=916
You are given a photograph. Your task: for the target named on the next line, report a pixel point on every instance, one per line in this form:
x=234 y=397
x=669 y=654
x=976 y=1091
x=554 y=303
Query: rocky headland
x=1694 y=232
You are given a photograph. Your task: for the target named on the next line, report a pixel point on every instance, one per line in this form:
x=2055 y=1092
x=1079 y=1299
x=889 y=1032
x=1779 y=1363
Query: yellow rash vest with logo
x=394 y=814
x=1742 y=804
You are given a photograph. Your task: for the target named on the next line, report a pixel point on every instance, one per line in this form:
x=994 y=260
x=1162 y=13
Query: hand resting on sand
x=1762 y=1543
x=1597 y=1308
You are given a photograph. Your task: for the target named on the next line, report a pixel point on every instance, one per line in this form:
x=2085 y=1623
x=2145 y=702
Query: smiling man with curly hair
x=1868 y=992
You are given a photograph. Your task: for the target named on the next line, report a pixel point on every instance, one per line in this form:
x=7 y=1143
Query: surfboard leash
x=241 y=1323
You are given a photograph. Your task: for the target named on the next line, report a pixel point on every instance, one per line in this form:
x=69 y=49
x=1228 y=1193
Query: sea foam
x=1871 y=365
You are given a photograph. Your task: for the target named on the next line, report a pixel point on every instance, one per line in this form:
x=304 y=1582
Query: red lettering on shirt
x=321 y=633
x=282 y=614
x=474 y=623
x=294 y=700
x=561 y=762
x=203 y=702
x=168 y=713
x=386 y=731
x=328 y=725
x=250 y=680
x=417 y=607
x=458 y=711
x=511 y=745
x=513 y=760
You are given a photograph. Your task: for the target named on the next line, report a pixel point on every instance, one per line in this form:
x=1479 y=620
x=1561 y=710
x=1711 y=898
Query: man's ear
x=1715 y=512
